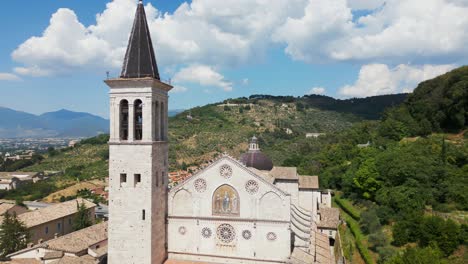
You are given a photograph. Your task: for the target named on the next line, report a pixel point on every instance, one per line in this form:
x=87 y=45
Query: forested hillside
x=409 y=185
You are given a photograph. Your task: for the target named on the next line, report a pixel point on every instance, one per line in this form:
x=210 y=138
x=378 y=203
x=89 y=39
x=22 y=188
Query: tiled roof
x=284 y=173
x=264 y=174
x=53 y=255
x=75 y=260
x=53 y=212
x=329 y=218
x=80 y=240
x=4 y=207
x=308 y=182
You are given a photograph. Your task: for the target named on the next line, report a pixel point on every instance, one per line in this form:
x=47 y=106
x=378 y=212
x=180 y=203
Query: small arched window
x=138 y=119
x=123 y=120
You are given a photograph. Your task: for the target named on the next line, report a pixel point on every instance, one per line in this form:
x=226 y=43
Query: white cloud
x=398 y=31
x=8 y=77
x=379 y=79
x=179 y=89
x=203 y=75
x=317 y=90
x=34 y=71
x=233 y=32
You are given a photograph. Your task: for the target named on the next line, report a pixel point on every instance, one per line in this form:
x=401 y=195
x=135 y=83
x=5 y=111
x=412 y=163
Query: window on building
x=123 y=178
x=162 y=178
x=123 y=120
x=59 y=227
x=330 y=233
x=47 y=230
x=157 y=179
x=143 y=214
x=137 y=178
x=69 y=221
x=138 y=119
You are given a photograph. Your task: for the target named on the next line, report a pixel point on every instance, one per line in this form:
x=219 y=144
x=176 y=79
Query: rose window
x=225 y=171
x=271 y=236
x=246 y=234
x=200 y=185
x=206 y=232
x=251 y=186
x=182 y=230
x=226 y=233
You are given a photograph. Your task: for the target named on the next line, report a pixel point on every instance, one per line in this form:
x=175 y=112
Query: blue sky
x=213 y=50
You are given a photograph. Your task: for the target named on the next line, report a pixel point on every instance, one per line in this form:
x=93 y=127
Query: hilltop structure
x=229 y=212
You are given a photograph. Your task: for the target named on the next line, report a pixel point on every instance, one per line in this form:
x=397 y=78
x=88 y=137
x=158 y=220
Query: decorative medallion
x=226 y=233
x=225 y=171
x=246 y=234
x=206 y=232
x=271 y=236
x=182 y=230
x=251 y=186
x=200 y=185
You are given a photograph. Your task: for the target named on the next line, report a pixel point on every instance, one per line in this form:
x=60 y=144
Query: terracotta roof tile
x=308 y=182
x=329 y=218
x=52 y=212
x=284 y=173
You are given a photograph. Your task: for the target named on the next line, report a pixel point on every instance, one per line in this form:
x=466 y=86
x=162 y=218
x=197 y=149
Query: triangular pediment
x=226 y=159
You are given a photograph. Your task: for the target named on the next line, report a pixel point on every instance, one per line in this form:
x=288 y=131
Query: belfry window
x=138 y=119
x=123 y=120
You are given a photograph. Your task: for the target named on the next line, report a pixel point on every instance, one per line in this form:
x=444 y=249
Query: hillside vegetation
x=411 y=182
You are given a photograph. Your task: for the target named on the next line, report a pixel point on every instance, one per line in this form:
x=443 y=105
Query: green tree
x=428 y=255
x=14 y=235
x=82 y=218
x=366 y=178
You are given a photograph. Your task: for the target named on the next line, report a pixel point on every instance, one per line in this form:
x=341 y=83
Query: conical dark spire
x=140 y=61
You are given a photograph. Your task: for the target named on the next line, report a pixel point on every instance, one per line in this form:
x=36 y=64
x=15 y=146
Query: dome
x=257 y=160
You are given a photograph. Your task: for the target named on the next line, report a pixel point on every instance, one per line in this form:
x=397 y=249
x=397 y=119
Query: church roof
x=308 y=182
x=140 y=61
x=256 y=159
x=284 y=173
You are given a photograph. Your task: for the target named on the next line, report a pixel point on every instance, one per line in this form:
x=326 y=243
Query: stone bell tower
x=138 y=154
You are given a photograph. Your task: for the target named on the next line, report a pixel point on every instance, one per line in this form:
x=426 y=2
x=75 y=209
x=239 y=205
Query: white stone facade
x=138 y=173
x=259 y=232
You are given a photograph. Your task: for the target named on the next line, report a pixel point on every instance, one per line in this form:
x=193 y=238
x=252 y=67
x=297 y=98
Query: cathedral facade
x=232 y=211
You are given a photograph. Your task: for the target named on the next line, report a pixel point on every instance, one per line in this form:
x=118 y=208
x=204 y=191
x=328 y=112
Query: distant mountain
x=62 y=123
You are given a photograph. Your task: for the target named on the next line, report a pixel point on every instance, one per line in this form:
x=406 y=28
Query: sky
x=55 y=54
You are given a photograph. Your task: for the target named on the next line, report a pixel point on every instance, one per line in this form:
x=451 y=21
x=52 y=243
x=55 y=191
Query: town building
x=11 y=180
x=11 y=209
x=86 y=246
x=53 y=221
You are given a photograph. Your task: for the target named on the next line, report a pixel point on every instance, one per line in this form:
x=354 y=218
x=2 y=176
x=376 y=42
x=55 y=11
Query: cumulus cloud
x=8 y=77
x=317 y=90
x=234 y=32
x=203 y=75
x=398 y=30
x=379 y=79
